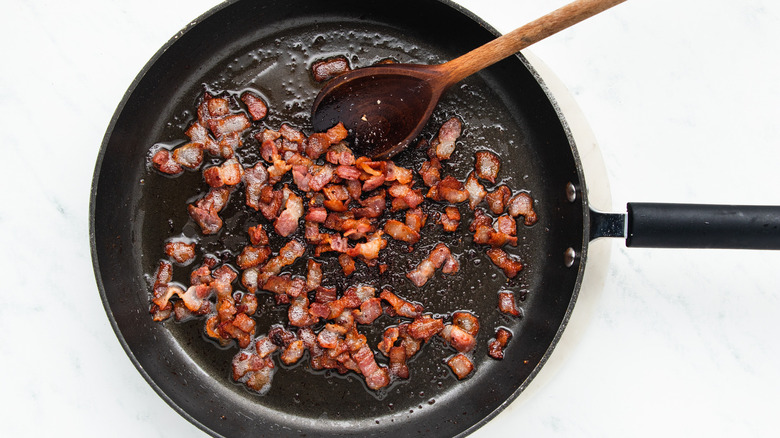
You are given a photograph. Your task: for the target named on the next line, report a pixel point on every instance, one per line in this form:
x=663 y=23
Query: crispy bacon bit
x=400 y=306
x=448 y=189
x=340 y=154
x=440 y=255
x=466 y=321
x=424 y=327
x=287 y=222
x=205 y=210
x=293 y=352
x=199 y=134
x=458 y=338
x=270 y=202
x=288 y=254
x=487 y=166
x=180 y=252
x=228 y=173
x=164 y=162
x=450 y=219
x=257 y=235
x=506 y=303
x=330 y=68
x=497 y=345
x=430 y=171
x=229 y=124
x=415 y=219
x=509 y=265
x=347 y=264
x=461 y=365
x=370 y=310
x=313 y=275
x=498 y=199
x=400 y=231
x=476 y=190
x=496 y=235
x=444 y=142
x=522 y=205
x=253 y=256
x=189 y=155
x=255 y=178
x=255 y=105
x=369 y=250
x=404 y=196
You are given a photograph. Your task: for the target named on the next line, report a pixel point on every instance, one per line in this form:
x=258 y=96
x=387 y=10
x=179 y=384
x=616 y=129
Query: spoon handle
x=522 y=37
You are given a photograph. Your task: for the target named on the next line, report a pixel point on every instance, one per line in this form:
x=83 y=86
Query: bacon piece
x=508 y=264
x=450 y=219
x=340 y=154
x=461 y=365
x=440 y=255
x=444 y=142
x=247 y=303
x=400 y=231
x=370 y=249
x=404 y=196
x=180 y=252
x=255 y=178
x=496 y=235
x=265 y=346
x=270 y=202
x=288 y=254
x=292 y=353
x=255 y=105
x=347 y=264
x=321 y=176
x=208 y=220
x=298 y=312
x=506 y=303
x=376 y=376
x=397 y=173
x=497 y=345
x=448 y=189
x=458 y=338
x=487 y=166
x=316 y=214
x=424 y=327
x=370 y=310
x=371 y=207
x=466 y=321
x=287 y=221
x=200 y=134
x=506 y=224
x=229 y=124
x=498 y=199
x=257 y=235
x=319 y=142
x=348 y=172
x=330 y=68
x=400 y=306
x=522 y=205
x=415 y=219
x=313 y=275
x=189 y=155
x=476 y=190
x=253 y=256
x=164 y=162
x=228 y=173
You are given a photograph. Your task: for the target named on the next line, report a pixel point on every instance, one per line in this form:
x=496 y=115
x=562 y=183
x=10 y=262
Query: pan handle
x=658 y=225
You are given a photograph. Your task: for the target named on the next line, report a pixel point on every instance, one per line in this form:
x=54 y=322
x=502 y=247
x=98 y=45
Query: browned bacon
x=255 y=105
x=498 y=199
x=287 y=221
x=330 y=68
x=255 y=178
x=448 y=189
x=497 y=345
x=164 y=162
x=508 y=264
x=257 y=235
x=506 y=303
x=487 y=166
x=522 y=205
x=440 y=255
x=180 y=252
x=450 y=219
x=475 y=189
x=228 y=173
x=400 y=306
x=253 y=256
x=189 y=155
x=444 y=142
x=400 y=231
x=461 y=365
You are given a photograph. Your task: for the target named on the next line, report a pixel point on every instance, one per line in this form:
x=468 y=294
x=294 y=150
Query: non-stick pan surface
x=268 y=47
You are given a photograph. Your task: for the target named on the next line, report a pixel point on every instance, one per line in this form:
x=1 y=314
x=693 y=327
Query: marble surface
x=682 y=98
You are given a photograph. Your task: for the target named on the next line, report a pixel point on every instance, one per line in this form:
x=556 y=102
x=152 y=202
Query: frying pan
x=267 y=47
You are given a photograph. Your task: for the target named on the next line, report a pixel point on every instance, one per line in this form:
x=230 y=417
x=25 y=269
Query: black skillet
x=268 y=46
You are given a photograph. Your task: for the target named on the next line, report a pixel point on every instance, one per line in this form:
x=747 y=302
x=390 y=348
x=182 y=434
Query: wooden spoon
x=386 y=106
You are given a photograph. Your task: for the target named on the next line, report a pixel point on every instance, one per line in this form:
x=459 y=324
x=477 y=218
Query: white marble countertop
x=682 y=97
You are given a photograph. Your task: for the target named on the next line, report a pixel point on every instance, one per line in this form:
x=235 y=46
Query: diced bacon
x=487 y=166
x=208 y=220
x=498 y=199
x=370 y=310
x=229 y=124
x=180 y=252
x=461 y=365
x=255 y=178
x=325 y=294
x=321 y=176
x=313 y=275
x=404 y=196
x=348 y=172
x=340 y=154
x=506 y=303
x=253 y=256
x=298 y=312
x=316 y=214
x=244 y=363
x=189 y=155
x=424 y=327
x=522 y=205
x=400 y=306
x=200 y=134
x=476 y=190
x=337 y=133
x=394 y=172
x=371 y=207
x=291 y=134
x=506 y=224
x=288 y=254
x=330 y=68
x=448 y=189
x=508 y=264
x=497 y=345
x=458 y=338
x=400 y=231
x=255 y=105
x=225 y=274
x=415 y=219
x=450 y=219
x=440 y=255
x=292 y=353
x=228 y=173
x=467 y=322
x=217 y=107
x=270 y=202
x=370 y=249
x=444 y=143
x=287 y=222
x=317 y=144
x=164 y=162
x=373 y=182
x=247 y=303
x=228 y=144
x=257 y=235
x=264 y=346
x=347 y=264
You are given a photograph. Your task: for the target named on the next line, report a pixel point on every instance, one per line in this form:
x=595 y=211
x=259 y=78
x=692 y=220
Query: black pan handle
x=656 y=225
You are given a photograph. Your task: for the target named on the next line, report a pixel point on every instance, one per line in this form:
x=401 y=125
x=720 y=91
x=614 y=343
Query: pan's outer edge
x=99 y=161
